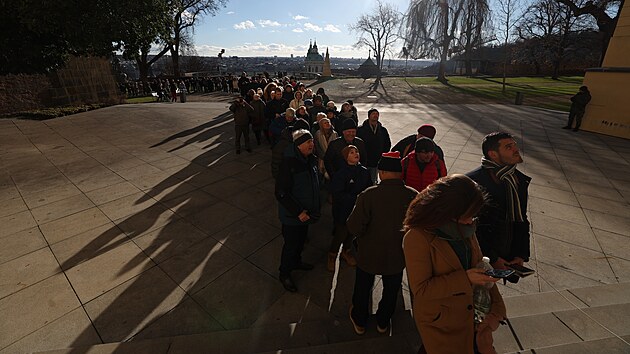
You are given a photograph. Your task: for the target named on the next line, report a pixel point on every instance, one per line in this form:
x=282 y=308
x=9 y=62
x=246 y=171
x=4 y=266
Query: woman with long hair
x=441 y=254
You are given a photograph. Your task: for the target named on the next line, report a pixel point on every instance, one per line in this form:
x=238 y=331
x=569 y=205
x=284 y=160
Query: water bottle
x=481 y=294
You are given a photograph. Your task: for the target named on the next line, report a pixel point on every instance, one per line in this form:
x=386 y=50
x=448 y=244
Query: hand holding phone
x=500 y=273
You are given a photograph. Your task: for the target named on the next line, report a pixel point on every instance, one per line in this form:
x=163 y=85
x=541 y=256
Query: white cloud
x=244 y=25
x=268 y=23
x=311 y=27
x=300 y=17
x=259 y=49
x=332 y=28
x=230 y=13
x=298 y=30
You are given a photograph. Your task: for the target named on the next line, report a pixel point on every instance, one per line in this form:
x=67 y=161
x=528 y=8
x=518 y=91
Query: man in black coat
x=502 y=227
x=376 y=139
x=578 y=107
x=333 y=160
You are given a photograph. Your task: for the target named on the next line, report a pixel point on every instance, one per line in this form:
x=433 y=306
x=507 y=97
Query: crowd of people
x=394 y=208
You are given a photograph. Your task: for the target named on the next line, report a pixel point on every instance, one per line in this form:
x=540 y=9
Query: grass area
x=145 y=99
x=539 y=91
x=49 y=113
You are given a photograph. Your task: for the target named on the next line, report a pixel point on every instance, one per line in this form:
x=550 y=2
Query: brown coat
x=443 y=296
x=376 y=222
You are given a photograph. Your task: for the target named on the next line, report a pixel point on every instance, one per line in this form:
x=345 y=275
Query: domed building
x=314 y=62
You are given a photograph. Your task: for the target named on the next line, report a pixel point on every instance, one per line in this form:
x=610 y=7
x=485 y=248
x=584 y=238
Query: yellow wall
x=609 y=110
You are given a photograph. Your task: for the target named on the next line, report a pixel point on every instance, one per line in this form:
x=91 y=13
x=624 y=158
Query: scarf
x=506 y=175
x=458 y=236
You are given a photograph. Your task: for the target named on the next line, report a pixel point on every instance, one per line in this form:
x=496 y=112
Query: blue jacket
x=345 y=186
x=297 y=187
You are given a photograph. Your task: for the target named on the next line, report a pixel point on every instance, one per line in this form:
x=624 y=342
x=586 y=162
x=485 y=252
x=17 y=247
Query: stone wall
x=83 y=80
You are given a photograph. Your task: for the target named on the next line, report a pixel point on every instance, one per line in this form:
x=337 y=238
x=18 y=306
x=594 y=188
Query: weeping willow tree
x=438 y=28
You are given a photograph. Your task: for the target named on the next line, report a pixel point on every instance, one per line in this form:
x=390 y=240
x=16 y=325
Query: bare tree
x=600 y=10
x=551 y=24
x=475 y=30
x=509 y=13
x=377 y=31
x=185 y=14
x=429 y=29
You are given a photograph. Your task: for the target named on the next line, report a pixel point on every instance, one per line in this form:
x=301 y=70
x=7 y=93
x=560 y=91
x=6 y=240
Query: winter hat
x=308 y=102
x=301 y=136
x=427 y=130
x=424 y=144
x=348 y=124
x=390 y=161
x=290 y=112
x=300 y=123
x=346 y=151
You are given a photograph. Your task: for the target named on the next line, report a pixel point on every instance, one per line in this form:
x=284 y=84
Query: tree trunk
x=175 y=58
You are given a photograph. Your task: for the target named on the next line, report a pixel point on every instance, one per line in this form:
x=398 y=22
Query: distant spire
x=369 y=54
x=310 y=44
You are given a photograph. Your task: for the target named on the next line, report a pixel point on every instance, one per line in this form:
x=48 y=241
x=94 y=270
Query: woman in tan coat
x=441 y=252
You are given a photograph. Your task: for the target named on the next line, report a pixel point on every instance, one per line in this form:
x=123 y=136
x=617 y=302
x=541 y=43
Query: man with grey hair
x=297 y=192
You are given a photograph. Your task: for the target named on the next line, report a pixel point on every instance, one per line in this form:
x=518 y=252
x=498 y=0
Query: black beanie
x=372 y=110
x=300 y=136
x=390 y=161
x=424 y=144
x=301 y=123
x=349 y=123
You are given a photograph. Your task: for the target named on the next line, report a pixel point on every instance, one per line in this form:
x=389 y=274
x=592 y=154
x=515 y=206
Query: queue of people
x=394 y=211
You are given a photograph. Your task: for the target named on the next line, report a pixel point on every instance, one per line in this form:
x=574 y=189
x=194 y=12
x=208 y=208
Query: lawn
x=145 y=99
x=538 y=91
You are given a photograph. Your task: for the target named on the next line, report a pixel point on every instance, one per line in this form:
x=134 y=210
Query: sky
x=247 y=28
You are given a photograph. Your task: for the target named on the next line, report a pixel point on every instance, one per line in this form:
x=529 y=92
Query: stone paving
x=139 y=222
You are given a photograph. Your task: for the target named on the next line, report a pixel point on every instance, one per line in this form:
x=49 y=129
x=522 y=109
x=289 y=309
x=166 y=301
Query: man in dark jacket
x=376 y=139
x=333 y=160
x=297 y=192
x=316 y=108
x=578 y=107
x=502 y=227
x=376 y=221
x=241 y=110
x=258 y=117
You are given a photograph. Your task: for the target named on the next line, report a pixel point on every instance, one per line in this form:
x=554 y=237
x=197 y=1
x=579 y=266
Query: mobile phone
x=520 y=270
x=500 y=273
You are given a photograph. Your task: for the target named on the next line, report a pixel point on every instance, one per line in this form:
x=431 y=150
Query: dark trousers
x=242 y=130
x=294 y=237
x=577 y=115
x=363 y=284
x=340 y=235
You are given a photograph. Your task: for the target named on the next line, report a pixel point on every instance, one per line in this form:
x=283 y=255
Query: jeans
x=577 y=115
x=294 y=237
x=363 y=284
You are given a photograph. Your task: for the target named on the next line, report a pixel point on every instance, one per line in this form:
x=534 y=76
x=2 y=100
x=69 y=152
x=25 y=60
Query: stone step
x=570 y=321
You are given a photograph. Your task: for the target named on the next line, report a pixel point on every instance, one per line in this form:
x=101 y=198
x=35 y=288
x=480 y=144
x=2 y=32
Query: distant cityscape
x=294 y=65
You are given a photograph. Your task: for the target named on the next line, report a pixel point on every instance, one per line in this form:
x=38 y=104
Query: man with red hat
x=407 y=144
x=376 y=222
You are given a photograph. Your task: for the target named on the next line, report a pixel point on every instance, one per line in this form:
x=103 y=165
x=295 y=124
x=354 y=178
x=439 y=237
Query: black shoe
x=238 y=152
x=566 y=127
x=304 y=266
x=576 y=129
x=288 y=283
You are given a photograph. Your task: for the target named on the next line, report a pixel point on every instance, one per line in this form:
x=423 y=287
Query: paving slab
x=608 y=345
x=542 y=331
x=21 y=243
x=27 y=270
x=541 y=303
x=60 y=333
x=34 y=307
